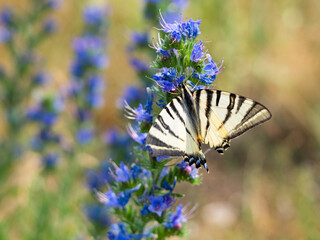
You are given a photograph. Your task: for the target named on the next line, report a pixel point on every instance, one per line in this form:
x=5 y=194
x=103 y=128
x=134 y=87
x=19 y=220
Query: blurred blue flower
x=95 y=14
x=98 y=214
x=84 y=135
x=50 y=160
x=139 y=38
x=89 y=52
x=175 y=220
x=168 y=79
x=96 y=84
x=49 y=26
x=93 y=180
x=41 y=78
x=123 y=174
x=83 y=114
x=6 y=16
x=5 y=34
x=164 y=172
x=180 y=3
x=159 y=204
x=131 y=95
x=54 y=4
x=139 y=65
x=172 y=16
x=197 y=52
x=114 y=138
x=152 y=1
x=95 y=100
x=46 y=111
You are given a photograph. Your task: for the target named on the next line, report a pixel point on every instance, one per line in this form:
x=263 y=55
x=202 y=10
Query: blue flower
x=159 y=204
x=84 y=135
x=175 y=220
x=191 y=171
x=144 y=211
x=168 y=79
x=50 y=160
x=136 y=136
x=205 y=78
x=197 y=52
x=211 y=68
x=195 y=87
x=189 y=29
x=110 y=199
x=119 y=231
x=167 y=185
x=135 y=171
x=123 y=174
x=139 y=114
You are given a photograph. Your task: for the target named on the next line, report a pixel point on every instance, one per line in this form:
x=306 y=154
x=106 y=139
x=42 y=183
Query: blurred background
x=267 y=186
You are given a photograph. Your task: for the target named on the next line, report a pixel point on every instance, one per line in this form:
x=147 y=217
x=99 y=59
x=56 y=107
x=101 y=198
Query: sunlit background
x=266 y=186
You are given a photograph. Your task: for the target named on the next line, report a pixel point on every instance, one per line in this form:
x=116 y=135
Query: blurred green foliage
x=268 y=182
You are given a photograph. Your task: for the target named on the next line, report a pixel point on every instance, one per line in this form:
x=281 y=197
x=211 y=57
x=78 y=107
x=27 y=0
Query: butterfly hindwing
x=167 y=136
x=224 y=116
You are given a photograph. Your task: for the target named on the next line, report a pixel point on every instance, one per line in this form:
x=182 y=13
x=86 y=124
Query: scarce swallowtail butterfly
x=211 y=117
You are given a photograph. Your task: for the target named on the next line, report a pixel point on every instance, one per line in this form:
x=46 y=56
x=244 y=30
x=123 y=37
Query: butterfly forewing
x=167 y=136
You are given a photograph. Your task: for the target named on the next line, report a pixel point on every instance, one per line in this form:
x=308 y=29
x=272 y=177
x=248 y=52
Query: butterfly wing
x=176 y=130
x=224 y=116
x=167 y=136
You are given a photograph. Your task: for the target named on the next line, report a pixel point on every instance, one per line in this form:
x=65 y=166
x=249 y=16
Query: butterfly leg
x=192 y=161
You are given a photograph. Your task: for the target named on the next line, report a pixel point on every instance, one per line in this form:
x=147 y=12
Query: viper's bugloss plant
x=45 y=113
x=142 y=195
x=18 y=81
x=90 y=60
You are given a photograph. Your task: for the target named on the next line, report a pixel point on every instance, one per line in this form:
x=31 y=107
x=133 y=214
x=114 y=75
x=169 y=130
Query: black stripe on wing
x=251 y=119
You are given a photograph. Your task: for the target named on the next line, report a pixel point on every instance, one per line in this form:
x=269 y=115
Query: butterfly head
x=197 y=159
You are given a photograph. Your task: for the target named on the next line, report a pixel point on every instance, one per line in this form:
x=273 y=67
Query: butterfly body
x=211 y=117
